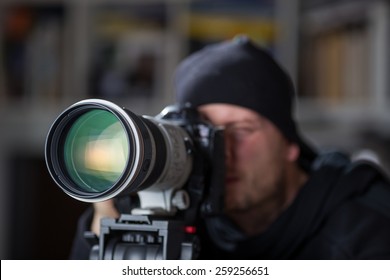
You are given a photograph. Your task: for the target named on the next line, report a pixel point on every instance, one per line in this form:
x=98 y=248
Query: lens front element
x=96 y=150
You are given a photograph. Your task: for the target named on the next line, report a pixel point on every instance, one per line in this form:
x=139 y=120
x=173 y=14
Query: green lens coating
x=96 y=151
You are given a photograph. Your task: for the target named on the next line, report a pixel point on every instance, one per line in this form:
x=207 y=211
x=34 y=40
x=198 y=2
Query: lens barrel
x=96 y=150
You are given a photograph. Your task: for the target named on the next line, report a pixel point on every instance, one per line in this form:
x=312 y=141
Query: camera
x=165 y=173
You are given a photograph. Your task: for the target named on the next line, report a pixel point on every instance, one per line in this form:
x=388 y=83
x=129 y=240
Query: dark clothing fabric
x=81 y=247
x=342 y=212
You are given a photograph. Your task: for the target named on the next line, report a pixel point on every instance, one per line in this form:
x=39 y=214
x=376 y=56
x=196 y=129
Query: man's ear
x=293 y=152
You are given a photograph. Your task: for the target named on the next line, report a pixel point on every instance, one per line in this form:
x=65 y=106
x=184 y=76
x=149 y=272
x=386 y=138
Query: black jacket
x=342 y=212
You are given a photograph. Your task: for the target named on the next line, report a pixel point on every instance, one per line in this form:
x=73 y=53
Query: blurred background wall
x=56 y=52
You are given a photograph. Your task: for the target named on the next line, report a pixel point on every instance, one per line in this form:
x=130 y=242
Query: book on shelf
x=335 y=66
x=128 y=51
x=32 y=49
x=213 y=21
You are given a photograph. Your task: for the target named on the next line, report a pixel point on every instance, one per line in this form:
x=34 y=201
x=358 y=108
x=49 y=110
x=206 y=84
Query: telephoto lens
x=96 y=150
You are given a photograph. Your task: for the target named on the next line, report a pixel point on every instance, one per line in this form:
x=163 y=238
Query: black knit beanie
x=240 y=73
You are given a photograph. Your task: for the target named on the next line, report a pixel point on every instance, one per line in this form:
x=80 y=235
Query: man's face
x=256 y=157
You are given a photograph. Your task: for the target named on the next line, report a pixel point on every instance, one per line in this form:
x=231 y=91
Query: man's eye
x=240 y=131
x=243 y=130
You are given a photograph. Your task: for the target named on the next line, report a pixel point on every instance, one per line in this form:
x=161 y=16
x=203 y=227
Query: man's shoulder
x=377 y=197
x=370 y=206
x=357 y=220
x=363 y=180
x=374 y=194
x=360 y=227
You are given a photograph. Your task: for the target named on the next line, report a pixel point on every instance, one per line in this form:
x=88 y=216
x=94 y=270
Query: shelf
x=344 y=57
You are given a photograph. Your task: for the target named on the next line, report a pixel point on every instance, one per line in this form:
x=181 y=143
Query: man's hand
x=102 y=210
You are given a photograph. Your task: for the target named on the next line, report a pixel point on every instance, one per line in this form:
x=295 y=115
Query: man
x=282 y=199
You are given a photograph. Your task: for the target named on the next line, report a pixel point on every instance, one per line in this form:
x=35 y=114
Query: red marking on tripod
x=190 y=229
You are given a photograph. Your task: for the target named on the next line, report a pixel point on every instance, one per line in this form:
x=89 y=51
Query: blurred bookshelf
x=56 y=52
x=340 y=46
x=342 y=75
x=32 y=53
